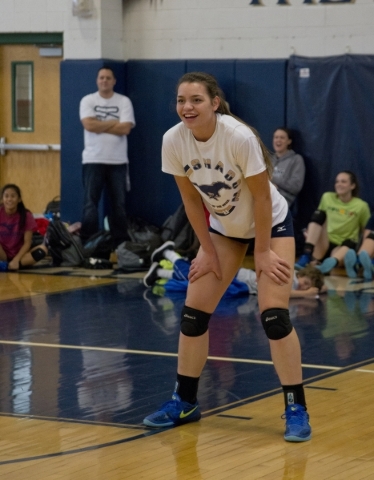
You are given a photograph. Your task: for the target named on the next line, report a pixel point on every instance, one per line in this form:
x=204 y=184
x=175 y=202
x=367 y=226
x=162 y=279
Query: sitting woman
x=336 y=225
x=289 y=168
x=365 y=255
x=16 y=229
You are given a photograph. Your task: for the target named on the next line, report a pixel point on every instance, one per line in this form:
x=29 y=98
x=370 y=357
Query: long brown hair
x=21 y=209
x=214 y=90
x=353 y=179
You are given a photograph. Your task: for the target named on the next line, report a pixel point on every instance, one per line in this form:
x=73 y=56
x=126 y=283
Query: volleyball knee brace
x=276 y=323
x=38 y=254
x=319 y=216
x=194 y=323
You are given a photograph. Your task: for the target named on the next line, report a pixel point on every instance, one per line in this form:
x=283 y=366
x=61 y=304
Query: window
x=22 y=97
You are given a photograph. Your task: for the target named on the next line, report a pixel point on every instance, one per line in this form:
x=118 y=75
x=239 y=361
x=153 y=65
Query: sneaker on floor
x=303 y=261
x=327 y=265
x=173 y=413
x=298 y=428
x=350 y=261
x=157 y=254
x=367 y=266
x=151 y=276
x=3 y=266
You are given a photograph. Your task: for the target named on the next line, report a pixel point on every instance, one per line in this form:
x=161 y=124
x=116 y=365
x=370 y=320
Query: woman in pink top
x=16 y=228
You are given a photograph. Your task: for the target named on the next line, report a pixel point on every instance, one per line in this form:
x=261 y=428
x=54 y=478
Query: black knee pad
x=194 y=323
x=319 y=216
x=38 y=254
x=371 y=235
x=350 y=244
x=276 y=323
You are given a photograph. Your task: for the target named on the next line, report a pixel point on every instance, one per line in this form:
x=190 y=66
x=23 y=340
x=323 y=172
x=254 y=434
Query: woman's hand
x=204 y=263
x=273 y=266
x=13 y=264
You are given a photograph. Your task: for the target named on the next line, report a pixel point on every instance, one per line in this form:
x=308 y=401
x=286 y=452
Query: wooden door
x=37 y=173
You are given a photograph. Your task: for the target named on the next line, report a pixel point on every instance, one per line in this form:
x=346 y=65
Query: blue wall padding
x=331 y=111
x=254 y=89
x=260 y=95
x=223 y=71
x=331 y=105
x=78 y=78
x=151 y=87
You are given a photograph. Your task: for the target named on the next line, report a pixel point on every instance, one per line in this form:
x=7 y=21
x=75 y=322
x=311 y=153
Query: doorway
x=30 y=117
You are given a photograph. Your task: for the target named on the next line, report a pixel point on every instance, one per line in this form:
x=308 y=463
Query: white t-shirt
x=217 y=168
x=105 y=147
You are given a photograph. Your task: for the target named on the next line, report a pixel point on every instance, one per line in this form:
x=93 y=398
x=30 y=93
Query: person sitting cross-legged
x=364 y=257
x=17 y=224
x=335 y=226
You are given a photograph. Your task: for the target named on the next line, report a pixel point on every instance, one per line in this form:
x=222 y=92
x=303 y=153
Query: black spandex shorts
x=282 y=229
x=334 y=245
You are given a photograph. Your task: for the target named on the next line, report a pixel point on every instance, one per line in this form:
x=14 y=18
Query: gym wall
x=328 y=101
x=255 y=90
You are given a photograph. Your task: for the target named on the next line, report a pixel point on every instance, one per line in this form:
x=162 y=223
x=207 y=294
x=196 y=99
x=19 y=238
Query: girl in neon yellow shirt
x=336 y=225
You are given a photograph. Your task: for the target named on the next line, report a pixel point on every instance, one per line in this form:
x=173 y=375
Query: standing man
x=107 y=118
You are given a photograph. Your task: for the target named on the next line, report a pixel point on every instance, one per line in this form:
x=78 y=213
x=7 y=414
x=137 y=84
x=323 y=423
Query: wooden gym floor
x=85 y=355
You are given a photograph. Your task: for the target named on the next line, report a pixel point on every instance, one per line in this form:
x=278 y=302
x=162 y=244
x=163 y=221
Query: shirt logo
x=212 y=190
x=103 y=113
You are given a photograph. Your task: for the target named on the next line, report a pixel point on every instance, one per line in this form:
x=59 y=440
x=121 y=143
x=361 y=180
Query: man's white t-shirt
x=218 y=168
x=106 y=147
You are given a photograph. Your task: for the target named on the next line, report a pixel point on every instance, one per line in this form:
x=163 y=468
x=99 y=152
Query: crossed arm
x=312 y=292
x=114 y=127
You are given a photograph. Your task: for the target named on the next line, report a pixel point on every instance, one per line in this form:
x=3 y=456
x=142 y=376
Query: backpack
x=99 y=245
x=65 y=248
x=178 y=229
x=53 y=207
x=141 y=231
x=133 y=256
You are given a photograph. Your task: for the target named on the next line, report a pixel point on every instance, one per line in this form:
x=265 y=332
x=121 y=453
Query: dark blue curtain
x=330 y=104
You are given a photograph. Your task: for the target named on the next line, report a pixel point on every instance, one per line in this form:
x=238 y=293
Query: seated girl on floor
x=16 y=229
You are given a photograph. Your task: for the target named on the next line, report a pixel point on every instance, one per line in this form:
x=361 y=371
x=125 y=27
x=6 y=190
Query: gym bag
x=133 y=257
x=65 y=248
x=178 y=229
x=99 y=245
x=53 y=207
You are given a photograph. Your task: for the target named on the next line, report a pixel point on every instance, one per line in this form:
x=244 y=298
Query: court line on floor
x=307 y=383
x=151 y=432
x=78 y=450
x=72 y=420
x=154 y=353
